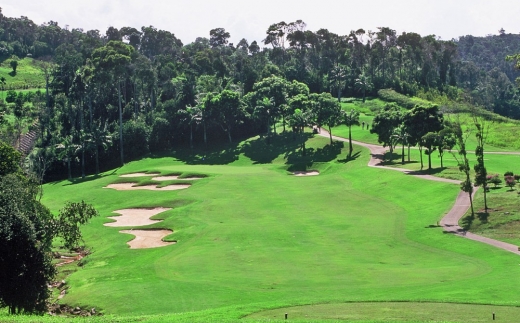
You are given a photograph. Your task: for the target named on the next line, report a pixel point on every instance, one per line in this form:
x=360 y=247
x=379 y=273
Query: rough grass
x=502 y=221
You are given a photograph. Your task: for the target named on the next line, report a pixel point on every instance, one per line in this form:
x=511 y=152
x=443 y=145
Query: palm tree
x=401 y=135
x=67 y=150
x=338 y=75
x=194 y=116
x=350 y=119
x=99 y=137
x=363 y=84
x=299 y=120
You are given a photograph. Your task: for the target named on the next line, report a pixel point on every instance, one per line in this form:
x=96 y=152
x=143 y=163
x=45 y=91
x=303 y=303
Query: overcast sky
x=189 y=19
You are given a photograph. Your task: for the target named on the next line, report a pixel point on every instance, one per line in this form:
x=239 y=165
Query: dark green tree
x=384 y=124
x=70 y=217
x=421 y=120
x=26 y=232
x=350 y=119
x=480 y=167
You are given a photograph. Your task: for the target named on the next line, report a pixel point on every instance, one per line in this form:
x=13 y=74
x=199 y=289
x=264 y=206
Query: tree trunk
x=97 y=160
x=402 y=155
x=83 y=162
x=120 y=122
x=420 y=154
x=191 y=135
x=330 y=135
x=229 y=134
x=68 y=168
x=350 y=141
x=205 y=137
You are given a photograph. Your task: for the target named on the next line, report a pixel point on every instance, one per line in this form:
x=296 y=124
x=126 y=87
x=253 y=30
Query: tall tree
x=480 y=168
x=463 y=162
x=113 y=59
x=421 y=120
x=26 y=232
x=350 y=119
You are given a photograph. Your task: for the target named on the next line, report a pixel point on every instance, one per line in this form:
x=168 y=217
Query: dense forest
x=145 y=86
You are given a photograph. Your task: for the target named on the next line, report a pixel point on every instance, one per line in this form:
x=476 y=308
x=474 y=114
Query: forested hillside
x=146 y=86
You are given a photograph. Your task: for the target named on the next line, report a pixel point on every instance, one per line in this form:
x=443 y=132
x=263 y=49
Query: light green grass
x=27 y=75
x=394 y=312
x=252 y=237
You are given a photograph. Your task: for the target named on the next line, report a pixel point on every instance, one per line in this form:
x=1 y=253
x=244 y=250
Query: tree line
x=133 y=91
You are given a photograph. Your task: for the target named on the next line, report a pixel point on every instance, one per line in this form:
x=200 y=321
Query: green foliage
x=9 y=159
x=384 y=124
x=26 y=232
x=494 y=179
x=404 y=101
x=68 y=222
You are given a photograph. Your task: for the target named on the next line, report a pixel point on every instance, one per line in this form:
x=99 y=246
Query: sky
x=189 y=19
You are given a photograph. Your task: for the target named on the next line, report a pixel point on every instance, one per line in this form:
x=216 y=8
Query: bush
x=508 y=174
x=510 y=181
x=517 y=178
x=494 y=179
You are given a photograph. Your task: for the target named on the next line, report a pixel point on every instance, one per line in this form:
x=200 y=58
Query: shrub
x=494 y=179
x=517 y=178
x=510 y=181
x=508 y=174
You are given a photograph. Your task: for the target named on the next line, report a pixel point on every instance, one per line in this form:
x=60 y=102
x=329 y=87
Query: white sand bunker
x=135 y=217
x=306 y=173
x=148 y=238
x=131 y=186
x=139 y=174
x=174 y=177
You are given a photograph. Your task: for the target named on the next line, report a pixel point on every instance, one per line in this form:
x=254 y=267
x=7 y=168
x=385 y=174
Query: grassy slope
x=252 y=237
x=27 y=75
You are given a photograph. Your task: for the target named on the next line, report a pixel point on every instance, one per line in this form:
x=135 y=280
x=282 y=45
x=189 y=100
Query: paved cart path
x=450 y=222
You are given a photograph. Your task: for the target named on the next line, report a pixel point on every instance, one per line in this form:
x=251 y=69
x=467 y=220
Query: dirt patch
x=131 y=186
x=135 y=217
x=170 y=178
x=148 y=238
x=306 y=173
x=139 y=174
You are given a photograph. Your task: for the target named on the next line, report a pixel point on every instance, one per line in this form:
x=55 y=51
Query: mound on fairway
x=148 y=238
x=139 y=174
x=170 y=178
x=135 y=217
x=306 y=173
x=131 y=186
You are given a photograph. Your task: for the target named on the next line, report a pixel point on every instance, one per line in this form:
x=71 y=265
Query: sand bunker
x=131 y=186
x=135 y=217
x=307 y=173
x=174 y=177
x=139 y=174
x=148 y=238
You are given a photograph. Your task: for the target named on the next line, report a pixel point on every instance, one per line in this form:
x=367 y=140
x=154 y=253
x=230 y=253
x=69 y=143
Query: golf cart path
x=450 y=222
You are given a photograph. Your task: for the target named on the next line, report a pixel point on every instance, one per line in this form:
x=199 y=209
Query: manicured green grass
x=394 y=312
x=252 y=237
x=27 y=75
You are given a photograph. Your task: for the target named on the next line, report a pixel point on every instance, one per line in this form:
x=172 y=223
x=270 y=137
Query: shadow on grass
x=483 y=216
x=217 y=154
x=264 y=151
x=297 y=161
x=350 y=158
x=432 y=171
x=89 y=178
